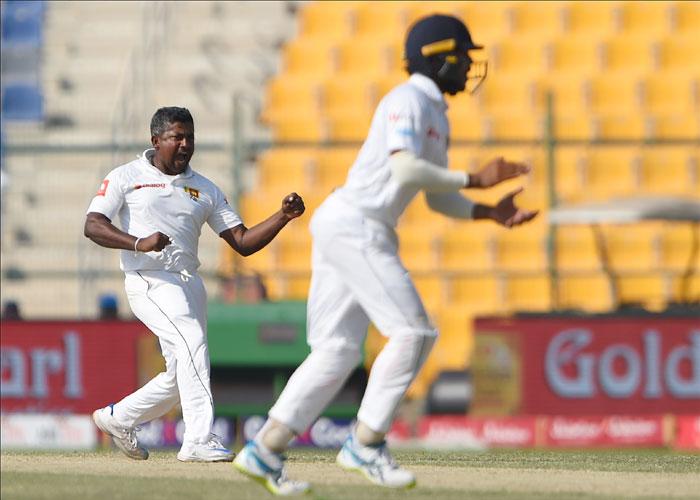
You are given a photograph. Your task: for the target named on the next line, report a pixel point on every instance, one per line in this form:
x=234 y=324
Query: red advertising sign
x=457 y=431
x=604 y=431
x=594 y=366
x=64 y=366
x=688 y=432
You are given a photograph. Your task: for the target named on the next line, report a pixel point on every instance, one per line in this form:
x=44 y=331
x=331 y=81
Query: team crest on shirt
x=194 y=193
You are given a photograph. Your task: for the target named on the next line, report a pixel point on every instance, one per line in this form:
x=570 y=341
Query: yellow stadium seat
x=286 y=94
x=310 y=56
x=570 y=172
x=669 y=170
x=283 y=286
x=629 y=53
x=686 y=288
x=417 y=10
x=370 y=57
x=431 y=289
x=619 y=94
x=685 y=126
x=574 y=55
x=575 y=126
x=612 y=171
x=465 y=127
x=328 y=19
x=349 y=127
x=591 y=17
x=538 y=18
x=679 y=52
x=472 y=249
x=576 y=249
x=333 y=166
x=513 y=126
x=488 y=22
x=456 y=335
x=632 y=247
x=646 y=17
x=651 y=290
x=382 y=19
x=418 y=250
x=671 y=93
x=287 y=166
x=293 y=249
x=676 y=246
x=687 y=16
x=507 y=94
x=590 y=292
x=523 y=248
x=524 y=56
x=478 y=293
x=622 y=126
x=341 y=96
x=531 y=293
x=294 y=127
x=385 y=83
x=263 y=261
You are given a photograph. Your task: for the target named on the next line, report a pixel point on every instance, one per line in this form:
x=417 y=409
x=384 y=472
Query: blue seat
x=22 y=22
x=22 y=102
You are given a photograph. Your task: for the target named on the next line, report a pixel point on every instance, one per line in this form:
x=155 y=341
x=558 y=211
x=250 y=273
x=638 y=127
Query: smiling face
x=174 y=148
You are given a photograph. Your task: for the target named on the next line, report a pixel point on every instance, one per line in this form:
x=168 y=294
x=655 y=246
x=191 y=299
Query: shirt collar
x=147 y=156
x=429 y=88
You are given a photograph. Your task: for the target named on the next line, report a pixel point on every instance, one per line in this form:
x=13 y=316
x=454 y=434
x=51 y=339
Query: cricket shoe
x=123 y=437
x=268 y=470
x=375 y=463
x=211 y=451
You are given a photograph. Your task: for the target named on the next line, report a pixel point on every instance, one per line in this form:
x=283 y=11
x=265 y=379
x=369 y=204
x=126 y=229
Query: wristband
x=135 y=245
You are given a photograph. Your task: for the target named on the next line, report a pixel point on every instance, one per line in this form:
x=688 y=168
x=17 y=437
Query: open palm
x=509 y=215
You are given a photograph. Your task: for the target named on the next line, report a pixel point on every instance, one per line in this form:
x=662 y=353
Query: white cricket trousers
x=174 y=307
x=357 y=277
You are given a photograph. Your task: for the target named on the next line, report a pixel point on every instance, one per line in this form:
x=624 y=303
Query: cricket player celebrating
x=162 y=204
x=357 y=276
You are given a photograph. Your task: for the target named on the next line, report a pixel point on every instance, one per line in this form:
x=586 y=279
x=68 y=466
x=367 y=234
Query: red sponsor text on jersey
x=103 y=188
x=154 y=185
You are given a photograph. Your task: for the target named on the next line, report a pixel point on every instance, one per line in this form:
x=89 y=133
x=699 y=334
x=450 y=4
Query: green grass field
x=500 y=474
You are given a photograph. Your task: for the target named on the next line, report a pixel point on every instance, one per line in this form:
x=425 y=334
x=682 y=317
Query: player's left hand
x=508 y=215
x=293 y=206
x=497 y=171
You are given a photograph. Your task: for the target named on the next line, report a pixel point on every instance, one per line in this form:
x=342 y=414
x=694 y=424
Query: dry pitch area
x=505 y=474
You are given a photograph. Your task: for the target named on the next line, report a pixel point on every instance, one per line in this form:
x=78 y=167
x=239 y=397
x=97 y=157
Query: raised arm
x=248 y=241
x=101 y=230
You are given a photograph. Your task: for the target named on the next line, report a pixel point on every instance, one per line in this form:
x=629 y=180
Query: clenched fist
x=293 y=206
x=153 y=243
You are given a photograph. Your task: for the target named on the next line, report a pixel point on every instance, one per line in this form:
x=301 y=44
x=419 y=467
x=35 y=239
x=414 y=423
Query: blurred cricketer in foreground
x=162 y=204
x=357 y=276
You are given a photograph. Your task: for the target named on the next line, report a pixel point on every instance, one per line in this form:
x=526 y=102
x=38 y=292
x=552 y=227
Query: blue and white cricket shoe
x=211 y=451
x=268 y=471
x=375 y=463
x=123 y=437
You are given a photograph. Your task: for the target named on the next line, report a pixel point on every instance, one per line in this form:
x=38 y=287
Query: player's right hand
x=154 y=243
x=497 y=171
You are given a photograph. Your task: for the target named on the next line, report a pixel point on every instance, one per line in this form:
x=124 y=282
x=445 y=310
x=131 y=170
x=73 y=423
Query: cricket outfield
x=503 y=474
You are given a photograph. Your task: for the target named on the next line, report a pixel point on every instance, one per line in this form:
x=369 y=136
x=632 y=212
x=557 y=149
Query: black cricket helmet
x=437 y=46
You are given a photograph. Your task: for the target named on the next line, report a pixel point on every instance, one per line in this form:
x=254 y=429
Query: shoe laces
x=130 y=435
x=215 y=441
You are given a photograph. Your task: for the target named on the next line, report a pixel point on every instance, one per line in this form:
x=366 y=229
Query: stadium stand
x=623 y=77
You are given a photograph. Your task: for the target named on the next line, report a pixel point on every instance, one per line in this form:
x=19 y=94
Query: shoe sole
x=98 y=422
x=200 y=460
x=263 y=481
x=363 y=473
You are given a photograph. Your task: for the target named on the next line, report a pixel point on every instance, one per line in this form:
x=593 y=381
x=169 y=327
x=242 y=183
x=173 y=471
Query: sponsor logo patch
x=160 y=185
x=103 y=188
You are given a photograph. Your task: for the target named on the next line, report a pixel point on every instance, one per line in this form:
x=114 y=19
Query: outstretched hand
x=497 y=171
x=153 y=243
x=508 y=215
x=293 y=206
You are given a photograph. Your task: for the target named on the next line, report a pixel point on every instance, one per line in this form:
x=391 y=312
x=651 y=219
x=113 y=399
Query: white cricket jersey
x=411 y=117
x=147 y=200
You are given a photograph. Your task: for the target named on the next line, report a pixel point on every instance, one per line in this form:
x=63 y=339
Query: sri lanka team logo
x=194 y=193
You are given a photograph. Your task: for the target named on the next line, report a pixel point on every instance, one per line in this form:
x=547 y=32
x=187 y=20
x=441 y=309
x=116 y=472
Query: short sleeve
x=109 y=197
x=222 y=215
x=404 y=119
